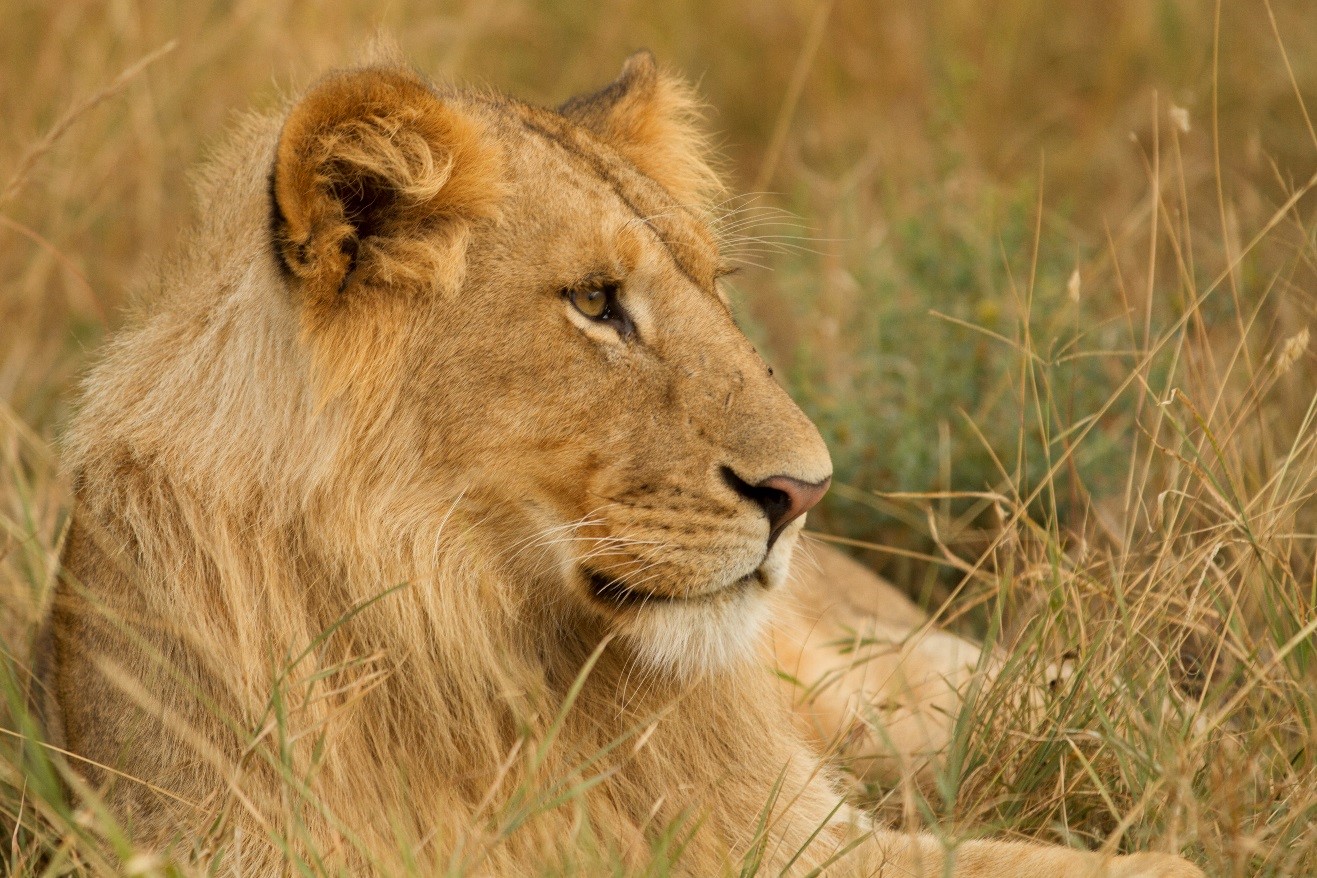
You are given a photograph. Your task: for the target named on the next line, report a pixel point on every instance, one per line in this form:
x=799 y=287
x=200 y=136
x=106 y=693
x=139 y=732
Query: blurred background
x=1044 y=274
x=921 y=185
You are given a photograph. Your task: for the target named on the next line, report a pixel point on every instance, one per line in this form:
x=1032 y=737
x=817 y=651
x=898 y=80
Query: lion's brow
x=596 y=164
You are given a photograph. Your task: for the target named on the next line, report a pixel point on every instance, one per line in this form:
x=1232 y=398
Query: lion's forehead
x=648 y=211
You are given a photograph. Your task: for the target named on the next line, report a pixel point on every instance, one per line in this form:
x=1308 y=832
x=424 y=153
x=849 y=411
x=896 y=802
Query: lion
x=435 y=515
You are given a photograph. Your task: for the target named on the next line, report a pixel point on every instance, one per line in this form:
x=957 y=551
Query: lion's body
x=870 y=679
x=350 y=525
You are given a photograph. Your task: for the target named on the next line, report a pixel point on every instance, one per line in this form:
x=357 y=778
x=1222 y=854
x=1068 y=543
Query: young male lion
x=434 y=513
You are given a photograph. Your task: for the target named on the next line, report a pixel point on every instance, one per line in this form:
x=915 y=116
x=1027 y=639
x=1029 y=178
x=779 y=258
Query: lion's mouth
x=616 y=593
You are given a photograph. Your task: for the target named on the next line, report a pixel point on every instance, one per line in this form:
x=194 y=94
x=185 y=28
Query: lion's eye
x=599 y=302
x=594 y=302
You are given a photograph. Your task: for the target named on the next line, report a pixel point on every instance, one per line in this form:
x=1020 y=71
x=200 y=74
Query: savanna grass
x=1045 y=277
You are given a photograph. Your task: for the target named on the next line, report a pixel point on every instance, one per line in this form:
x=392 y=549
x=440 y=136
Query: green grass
x=1121 y=472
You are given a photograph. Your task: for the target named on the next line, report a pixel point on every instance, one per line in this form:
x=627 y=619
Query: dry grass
x=1049 y=295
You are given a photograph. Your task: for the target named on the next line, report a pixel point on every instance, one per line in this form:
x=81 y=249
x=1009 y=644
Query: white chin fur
x=690 y=639
x=693 y=638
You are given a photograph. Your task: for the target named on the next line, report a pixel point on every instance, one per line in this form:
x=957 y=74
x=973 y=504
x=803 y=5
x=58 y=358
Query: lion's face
x=579 y=378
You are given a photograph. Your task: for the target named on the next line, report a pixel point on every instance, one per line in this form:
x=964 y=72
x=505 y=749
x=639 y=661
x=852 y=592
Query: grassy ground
x=1044 y=276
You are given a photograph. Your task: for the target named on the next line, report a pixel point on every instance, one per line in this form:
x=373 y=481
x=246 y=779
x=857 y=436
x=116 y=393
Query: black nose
x=783 y=498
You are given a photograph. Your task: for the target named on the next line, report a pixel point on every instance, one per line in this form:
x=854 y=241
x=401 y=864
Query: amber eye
x=593 y=302
x=599 y=302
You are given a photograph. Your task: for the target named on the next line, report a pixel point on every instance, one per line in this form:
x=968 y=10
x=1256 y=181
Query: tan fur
x=870 y=678
x=343 y=513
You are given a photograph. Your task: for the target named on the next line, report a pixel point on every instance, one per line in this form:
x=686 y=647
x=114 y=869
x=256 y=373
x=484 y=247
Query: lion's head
x=537 y=296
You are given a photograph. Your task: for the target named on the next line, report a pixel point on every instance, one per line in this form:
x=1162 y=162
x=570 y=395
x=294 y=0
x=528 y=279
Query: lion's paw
x=1154 y=866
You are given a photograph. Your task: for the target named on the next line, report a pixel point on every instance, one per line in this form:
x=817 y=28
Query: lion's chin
x=698 y=637
x=701 y=633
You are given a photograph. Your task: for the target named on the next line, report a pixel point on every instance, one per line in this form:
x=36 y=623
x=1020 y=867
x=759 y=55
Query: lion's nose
x=783 y=498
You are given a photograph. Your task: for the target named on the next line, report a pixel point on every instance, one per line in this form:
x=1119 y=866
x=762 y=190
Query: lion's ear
x=654 y=119
x=374 y=181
